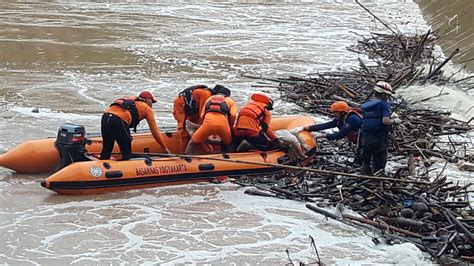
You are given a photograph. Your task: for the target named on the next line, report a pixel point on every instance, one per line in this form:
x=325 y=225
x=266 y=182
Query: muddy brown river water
x=70 y=59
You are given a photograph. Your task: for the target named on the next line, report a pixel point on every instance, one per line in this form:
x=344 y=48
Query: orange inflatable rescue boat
x=72 y=156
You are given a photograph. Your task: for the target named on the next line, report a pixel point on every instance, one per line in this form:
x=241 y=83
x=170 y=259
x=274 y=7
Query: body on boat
x=77 y=169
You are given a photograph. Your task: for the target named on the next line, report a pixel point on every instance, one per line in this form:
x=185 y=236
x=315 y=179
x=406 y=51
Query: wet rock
x=407 y=213
x=420 y=207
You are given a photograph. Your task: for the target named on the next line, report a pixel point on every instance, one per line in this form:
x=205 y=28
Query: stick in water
x=284 y=166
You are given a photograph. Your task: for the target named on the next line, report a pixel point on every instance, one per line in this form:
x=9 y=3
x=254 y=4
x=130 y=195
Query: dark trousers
x=358 y=150
x=374 y=153
x=113 y=129
x=259 y=142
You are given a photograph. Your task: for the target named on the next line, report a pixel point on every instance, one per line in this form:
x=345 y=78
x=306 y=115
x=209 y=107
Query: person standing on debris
x=123 y=114
x=346 y=119
x=218 y=116
x=252 y=127
x=187 y=107
x=375 y=129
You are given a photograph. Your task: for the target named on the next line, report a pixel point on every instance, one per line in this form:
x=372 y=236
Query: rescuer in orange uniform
x=123 y=114
x=188 y=106
x=252 y=126
x=218 y=116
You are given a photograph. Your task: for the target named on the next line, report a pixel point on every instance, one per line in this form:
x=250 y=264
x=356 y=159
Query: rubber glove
x=397 y=121
x=394 y=115
x=319 y=135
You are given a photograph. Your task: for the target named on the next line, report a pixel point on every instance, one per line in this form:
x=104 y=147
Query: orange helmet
x=262 y=98
x=340 y=106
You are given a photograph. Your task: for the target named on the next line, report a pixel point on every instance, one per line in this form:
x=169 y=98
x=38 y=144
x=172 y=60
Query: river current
x=70 y=59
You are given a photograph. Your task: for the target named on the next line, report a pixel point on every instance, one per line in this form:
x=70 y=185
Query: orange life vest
x=353 y=135
x=256 y=112
x=217 y=103
x=128 y=103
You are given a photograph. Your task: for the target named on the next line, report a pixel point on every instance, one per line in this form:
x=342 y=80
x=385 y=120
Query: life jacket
x=256 y=112
x=356 y=110
x=190 y=105
x=372 y=117
x=217 y=104
x=128 y=103
x=353 y=135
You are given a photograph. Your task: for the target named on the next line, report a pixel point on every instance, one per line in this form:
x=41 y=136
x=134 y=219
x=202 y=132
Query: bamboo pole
x=362 y=220
x=431 y=74
x=284 y=166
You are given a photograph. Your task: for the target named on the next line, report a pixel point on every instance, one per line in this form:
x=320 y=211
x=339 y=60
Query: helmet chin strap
x=382 y=95
x=270 y=105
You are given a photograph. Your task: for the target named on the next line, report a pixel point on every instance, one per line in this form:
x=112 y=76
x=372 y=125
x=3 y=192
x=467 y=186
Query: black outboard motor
x=71 y=142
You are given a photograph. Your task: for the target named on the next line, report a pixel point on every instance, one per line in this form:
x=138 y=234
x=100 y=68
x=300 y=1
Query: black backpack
x=129 y=105
x=190 y=106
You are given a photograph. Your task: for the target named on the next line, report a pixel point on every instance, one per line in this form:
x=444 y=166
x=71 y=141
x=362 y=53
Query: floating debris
x=408 y=204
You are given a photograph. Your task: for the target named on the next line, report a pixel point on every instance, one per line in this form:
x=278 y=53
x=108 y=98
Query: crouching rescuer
x=218 y=116
x=187 y=107
x=347 y=120
x=252 y=128
x=123 y=114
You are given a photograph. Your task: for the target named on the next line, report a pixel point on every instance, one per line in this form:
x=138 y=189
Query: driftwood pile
x=399 y=60
x=433 y=215
x=400 y=65
x=406 y=205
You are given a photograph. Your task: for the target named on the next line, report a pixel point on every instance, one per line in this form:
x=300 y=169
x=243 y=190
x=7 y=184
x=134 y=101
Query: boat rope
x=284 y=166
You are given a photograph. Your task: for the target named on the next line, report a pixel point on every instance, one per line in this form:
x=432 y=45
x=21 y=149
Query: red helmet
x=340 y=106
x=146 y=95
x=262 y=98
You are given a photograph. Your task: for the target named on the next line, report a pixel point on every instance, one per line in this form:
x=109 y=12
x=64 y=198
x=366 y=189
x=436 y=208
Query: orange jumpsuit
x=199 y=96
x=216 y=123
x=251 y=118
x=144 y=112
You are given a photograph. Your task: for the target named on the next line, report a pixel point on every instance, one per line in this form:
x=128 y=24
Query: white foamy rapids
x=457 y=98
x=198 y=224
x=459 y=103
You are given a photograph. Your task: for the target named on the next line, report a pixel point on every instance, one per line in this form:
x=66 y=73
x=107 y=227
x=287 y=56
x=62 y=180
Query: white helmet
x=384 y=87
